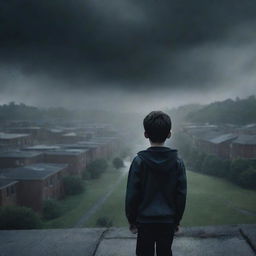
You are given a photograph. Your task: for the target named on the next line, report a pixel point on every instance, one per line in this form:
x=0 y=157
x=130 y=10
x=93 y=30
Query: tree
x=118 y=162
x=51 y=209
x=247 y=178
x=97 y=167
x=73 y=185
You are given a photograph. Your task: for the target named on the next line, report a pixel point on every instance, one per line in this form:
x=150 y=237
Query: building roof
x=19 y=154
x=10 y=136
x=42 y=147
x=246 y=139
x=208 y=135
x=80 y=145
x=66 y=152
x=70 y=134
x=224 y=137
x=7 y=182
x=37 y=171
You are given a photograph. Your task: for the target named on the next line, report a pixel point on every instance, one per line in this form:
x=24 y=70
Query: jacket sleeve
x=181 y=191
x=132 y=198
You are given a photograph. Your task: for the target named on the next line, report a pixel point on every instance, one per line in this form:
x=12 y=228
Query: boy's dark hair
x=157 y=125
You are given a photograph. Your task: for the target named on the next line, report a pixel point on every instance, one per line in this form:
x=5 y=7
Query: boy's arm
x=133 y=192
x=181 y=191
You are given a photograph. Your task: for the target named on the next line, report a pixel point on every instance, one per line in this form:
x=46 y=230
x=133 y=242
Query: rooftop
x=246 y=139
x=6 y=182
x=223 y=138
x=235 y=240
x=42 y=147
x=19 y=154
x=10 y=136
x=67 y=152
x=37 y=171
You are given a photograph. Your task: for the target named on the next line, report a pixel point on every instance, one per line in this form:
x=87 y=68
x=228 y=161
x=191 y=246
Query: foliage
x=104 y=222
x=239 y=111
x=118 y=162
x=97 y=167
x=16 y=217
x=247 y=178
x=73 y=185
x=51 y=209
x=86 y=175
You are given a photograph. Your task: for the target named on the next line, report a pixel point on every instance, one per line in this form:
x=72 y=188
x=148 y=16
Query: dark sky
x=108 y=52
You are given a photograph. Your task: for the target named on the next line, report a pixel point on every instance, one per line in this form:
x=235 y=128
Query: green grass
x=211 y=201
x=76 y=206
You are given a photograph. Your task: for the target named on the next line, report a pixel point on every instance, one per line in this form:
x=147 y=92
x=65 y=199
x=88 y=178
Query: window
x=13 y=189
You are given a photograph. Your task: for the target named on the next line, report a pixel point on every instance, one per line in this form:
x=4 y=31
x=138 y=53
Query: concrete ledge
x=235 y=240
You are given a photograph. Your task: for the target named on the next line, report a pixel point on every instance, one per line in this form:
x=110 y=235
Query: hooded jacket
x=156 y=187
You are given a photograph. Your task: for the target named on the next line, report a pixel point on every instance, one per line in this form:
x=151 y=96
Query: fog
x=126 y=56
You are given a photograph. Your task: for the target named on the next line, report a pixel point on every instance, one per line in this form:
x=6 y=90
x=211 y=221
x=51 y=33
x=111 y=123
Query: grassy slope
x=75 y=206
x=211 y=201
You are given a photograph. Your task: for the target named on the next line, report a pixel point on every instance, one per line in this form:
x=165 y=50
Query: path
x=98 y=204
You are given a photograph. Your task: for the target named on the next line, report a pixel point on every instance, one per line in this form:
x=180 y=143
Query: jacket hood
x=159 y=158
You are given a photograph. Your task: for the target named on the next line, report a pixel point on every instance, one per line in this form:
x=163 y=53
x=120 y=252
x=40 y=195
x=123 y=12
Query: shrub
x=247 y=178
x=104 y=222
x=73 y=185
x=237 y=167
x=118 y=162
x=97 y=167
x=86 y=175
x=51 y=209
x=16 y=217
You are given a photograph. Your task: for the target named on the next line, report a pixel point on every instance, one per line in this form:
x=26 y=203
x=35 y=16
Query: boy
x=156 y=190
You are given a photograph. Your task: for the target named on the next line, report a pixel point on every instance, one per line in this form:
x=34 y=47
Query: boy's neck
x=156 y=144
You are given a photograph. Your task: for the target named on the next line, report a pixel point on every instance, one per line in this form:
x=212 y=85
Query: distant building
x=75 y=158
x=8 y=188
x=37 y=182
x=221 y=144
x=244 y=147
x=19 y=158
x=13 y=140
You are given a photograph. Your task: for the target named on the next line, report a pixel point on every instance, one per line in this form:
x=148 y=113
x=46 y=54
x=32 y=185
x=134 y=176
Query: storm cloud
x=128 y=44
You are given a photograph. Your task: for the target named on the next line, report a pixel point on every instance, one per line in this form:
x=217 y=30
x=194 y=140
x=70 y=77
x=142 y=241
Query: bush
x=247 y=178
x=16 y=217
x=97 y=167
x=73 y=185
x=104 y=222
x=118 y=162
x=86 y=175
x=237 y=167
x=51 y=209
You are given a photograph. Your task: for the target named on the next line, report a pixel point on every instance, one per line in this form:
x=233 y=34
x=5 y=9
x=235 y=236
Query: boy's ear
x=146 y=135
x=169 y=135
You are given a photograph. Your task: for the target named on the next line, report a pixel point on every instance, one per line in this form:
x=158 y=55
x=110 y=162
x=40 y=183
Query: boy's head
x=157 y=126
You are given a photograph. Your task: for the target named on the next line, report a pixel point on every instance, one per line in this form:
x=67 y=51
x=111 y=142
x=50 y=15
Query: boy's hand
x=133 y=229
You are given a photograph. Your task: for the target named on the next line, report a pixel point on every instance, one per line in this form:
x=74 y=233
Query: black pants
x=151 y=235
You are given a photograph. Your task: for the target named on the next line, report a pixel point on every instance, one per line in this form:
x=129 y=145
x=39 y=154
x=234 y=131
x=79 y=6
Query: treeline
x=14 y=111
x=239 y=171
x=238 y=111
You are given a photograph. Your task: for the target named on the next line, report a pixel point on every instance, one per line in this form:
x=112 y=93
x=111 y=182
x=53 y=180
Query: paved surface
x=235 y=240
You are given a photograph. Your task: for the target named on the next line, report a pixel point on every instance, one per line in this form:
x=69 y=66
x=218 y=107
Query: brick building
x=8 y=188
x=244 y=147
x=75 y=158
x=37 y=182
x=19 y=158
x=10 y=141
